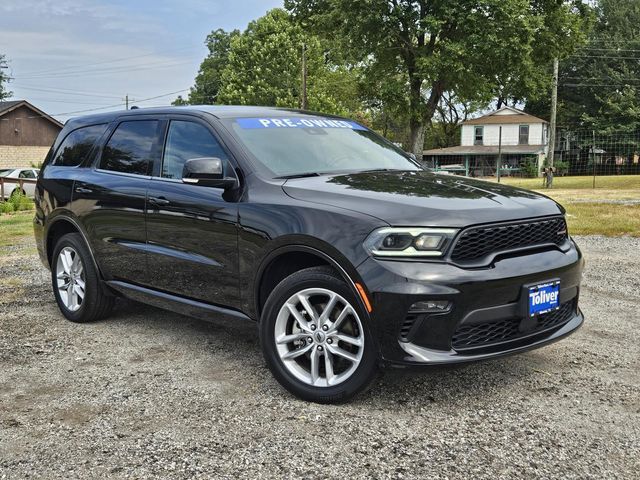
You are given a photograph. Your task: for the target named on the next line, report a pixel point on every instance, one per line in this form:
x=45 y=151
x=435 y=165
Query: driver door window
x=187 y=140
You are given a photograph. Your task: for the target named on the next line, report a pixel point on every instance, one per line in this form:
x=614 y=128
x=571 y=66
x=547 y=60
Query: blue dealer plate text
x=544 y=298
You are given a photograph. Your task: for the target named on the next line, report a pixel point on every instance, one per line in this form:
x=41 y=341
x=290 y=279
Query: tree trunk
x=421 y=114
x=417 y=131
x=416 y=119
x=416 y=139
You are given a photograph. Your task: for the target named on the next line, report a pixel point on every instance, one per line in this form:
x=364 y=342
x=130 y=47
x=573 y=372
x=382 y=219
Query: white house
x=510 y=133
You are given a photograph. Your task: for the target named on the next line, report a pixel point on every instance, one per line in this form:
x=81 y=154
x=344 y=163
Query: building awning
x=487 y=150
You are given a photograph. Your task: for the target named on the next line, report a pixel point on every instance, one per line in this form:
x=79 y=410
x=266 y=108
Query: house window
x=524 y=135
x=478 y=134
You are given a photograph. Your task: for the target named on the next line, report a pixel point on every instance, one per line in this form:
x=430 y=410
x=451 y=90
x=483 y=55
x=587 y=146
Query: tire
x=16 y=193
x=71 y=268
x=341 y=346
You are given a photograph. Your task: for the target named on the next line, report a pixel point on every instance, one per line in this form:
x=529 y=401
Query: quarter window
x=478 y=136
x=524 y=135
x=187 y=140
x=131 y=148
x=77 y=145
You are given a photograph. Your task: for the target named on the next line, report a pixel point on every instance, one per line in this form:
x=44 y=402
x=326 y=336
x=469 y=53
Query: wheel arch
x=285 y=260
x=60 y=226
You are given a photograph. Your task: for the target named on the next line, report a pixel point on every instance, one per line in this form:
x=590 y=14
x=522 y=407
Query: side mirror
x=209 y=172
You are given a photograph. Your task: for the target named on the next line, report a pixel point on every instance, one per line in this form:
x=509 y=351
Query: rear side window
x=131 y=148
x=77 y=145
x=27 y=174
x=187 y=140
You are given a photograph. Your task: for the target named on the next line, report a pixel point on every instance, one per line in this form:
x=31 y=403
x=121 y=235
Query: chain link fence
x=578 y=153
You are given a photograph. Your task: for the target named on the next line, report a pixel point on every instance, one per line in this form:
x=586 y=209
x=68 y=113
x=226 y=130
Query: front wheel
x=315 y=338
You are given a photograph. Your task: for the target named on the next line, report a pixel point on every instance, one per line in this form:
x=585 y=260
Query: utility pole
x=303 y=100
x=126 y=102
x=499 y=164
x=593 y=149
x=554 y=108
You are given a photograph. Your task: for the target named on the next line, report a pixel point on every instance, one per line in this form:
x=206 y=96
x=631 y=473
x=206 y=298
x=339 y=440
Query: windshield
x=6 y=172
x=305 y=145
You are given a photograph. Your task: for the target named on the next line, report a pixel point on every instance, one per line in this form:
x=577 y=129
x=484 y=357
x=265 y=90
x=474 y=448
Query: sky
x=68 y=56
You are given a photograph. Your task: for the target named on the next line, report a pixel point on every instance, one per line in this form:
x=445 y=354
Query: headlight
x=409 y=242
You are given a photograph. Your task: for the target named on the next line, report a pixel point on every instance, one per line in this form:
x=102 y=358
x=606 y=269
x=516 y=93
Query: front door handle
x=83 y=190
x=159 y=201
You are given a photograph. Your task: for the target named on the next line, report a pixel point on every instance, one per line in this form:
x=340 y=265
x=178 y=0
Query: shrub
x=20 y=202
x=562 y=168
x=529 y=168
x=6 y=207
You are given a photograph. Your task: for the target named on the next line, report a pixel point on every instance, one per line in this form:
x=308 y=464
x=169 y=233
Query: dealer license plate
x=544 y=298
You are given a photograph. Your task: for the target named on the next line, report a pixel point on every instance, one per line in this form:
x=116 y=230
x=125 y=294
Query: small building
x=26 y=134
x=524 y=139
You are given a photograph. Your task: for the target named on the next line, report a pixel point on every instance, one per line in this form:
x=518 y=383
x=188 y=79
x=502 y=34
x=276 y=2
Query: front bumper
x=487 y=300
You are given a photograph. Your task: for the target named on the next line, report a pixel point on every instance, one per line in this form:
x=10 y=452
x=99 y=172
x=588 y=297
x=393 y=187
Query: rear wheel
x=75 y=281
x=16 y=193
x=315 y=338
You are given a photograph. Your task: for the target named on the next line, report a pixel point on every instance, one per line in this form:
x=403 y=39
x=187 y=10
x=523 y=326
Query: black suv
x=347 y=253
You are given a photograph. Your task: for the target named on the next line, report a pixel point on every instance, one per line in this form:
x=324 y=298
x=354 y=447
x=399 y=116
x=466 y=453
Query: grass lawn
x=614 y=182
x=612 y=220
x=599 y=211
x=14 y=227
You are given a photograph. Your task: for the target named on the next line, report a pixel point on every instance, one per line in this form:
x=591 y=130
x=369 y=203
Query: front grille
x=476 y=243
x=482 y=335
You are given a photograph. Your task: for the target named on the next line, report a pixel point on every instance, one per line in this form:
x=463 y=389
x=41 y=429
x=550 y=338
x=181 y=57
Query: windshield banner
x=297 y=122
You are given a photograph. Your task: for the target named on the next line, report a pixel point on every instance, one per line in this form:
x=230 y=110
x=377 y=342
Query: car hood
x=422 y=198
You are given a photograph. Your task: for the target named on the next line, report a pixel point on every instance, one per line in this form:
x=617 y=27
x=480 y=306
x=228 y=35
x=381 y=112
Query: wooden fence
x=9 y=183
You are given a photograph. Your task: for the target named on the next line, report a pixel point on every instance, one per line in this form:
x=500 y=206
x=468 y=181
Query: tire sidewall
x=76 y=242
x=361 y=377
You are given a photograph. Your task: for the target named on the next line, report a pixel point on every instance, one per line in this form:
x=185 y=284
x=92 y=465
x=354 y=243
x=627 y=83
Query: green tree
x=599 y=86
x=559 y=28
x=420 y=49
x=264 y=68
x=209 y=79
x=4 y=79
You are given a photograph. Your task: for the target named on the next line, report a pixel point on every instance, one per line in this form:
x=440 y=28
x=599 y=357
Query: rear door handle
x=159 y=201
x=83 y=190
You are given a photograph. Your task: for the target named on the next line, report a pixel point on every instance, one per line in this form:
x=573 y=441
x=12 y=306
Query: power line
x=103 y=62
x=63 y=91
x=611 y=40
x=606 y=57
x=97 y=108
x=574 y=85
x=108 y=71
x=53 y=100
x=603 y=79
x=609 y=49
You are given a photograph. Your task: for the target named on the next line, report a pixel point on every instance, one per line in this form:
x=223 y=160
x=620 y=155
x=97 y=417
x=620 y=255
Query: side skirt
x=174 y=303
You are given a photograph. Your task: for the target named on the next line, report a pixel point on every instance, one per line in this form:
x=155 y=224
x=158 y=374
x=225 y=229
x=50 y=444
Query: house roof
x=487 y=150
x=6 y=107
x=505 y=115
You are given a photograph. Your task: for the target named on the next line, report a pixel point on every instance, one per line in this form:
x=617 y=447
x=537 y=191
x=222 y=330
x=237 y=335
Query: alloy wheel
x=319 y=337
x=70 y=279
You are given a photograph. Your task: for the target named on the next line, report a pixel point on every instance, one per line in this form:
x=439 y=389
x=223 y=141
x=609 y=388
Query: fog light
x=431 y=306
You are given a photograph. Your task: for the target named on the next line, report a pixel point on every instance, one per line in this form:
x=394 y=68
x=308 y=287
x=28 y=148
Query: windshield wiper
x=381 y=170
x=298 y=175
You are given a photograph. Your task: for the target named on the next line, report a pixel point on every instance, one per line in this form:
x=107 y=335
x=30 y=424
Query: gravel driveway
x=150 y=393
